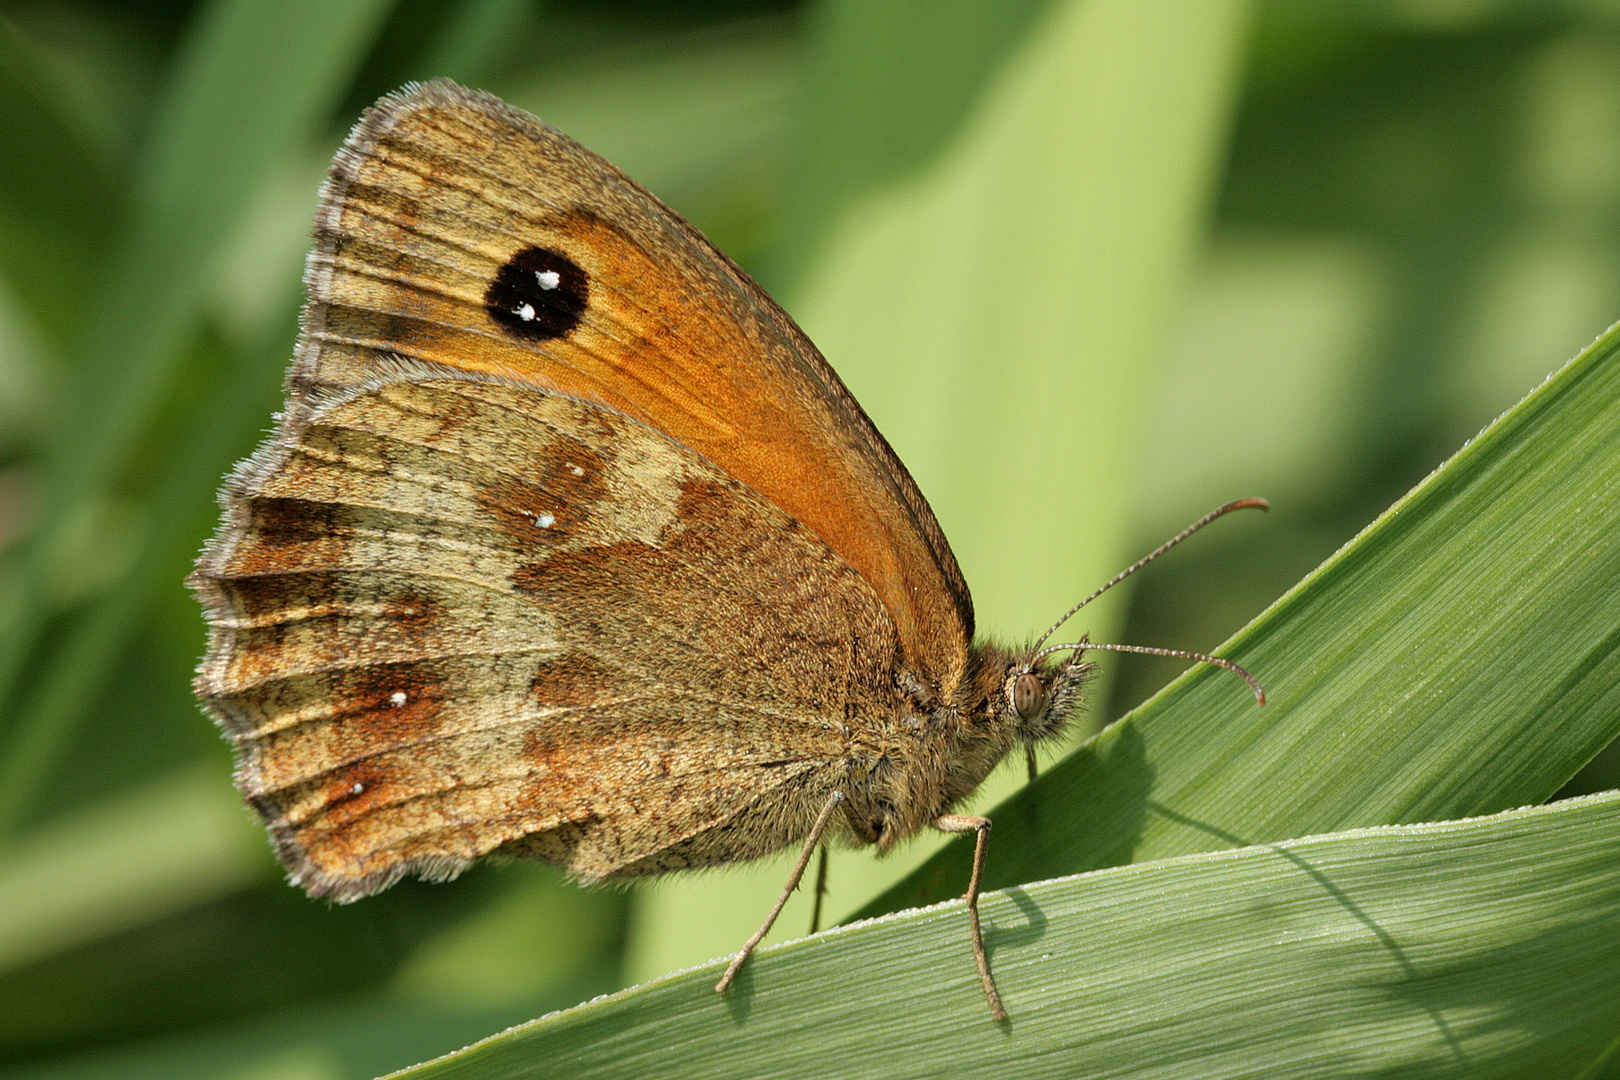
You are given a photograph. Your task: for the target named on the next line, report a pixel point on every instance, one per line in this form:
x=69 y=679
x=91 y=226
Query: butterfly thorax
x=937 y=752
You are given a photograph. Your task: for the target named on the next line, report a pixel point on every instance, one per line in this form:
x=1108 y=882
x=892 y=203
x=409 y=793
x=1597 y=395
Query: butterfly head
x=1038 y=698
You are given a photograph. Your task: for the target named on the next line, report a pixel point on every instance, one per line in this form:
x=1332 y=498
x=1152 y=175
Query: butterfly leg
x=821 y=890
x=822 y=820
x=953 y=823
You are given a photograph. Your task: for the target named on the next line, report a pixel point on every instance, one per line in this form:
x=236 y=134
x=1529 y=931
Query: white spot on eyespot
x=577 y=471
x=357 y=788
x=525 y=312
x=549 y=279
x=545 y=521
x=398 y=698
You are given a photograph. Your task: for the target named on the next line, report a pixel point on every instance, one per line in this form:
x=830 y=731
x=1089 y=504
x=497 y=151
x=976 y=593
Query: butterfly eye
x=1028 y=696
x=539 y=294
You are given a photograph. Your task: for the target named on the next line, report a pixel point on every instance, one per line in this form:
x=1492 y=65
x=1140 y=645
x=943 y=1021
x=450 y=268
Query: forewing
x=452 y=614
x=458 y=230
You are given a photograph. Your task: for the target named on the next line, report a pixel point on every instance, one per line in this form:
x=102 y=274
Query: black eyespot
x=538 y=295
x=1028 y=696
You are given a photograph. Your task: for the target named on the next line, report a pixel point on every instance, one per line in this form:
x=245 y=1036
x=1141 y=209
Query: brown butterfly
x=570 y=545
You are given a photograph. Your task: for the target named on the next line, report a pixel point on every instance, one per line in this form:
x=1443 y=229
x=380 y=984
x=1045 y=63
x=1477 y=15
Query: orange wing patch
x=584 y=283
x=453 y=615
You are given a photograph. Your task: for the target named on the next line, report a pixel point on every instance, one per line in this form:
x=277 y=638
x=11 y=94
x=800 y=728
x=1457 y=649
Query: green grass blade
x=74 y=674
x=59 y=190
x=474 y=40
x=134 y=857
x=1478 y=949
x=703 y=120
x=1461 y=656
x=253 y=85
x=892 y=87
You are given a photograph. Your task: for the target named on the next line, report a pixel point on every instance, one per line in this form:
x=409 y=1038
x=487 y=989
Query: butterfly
x=568 y=544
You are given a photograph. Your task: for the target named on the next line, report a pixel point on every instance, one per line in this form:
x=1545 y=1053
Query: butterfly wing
x=452 y=615
x=457 y=230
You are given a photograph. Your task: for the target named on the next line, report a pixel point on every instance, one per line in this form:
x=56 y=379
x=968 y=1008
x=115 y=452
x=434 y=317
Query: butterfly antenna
x=1220 y=662
x=1241 y=504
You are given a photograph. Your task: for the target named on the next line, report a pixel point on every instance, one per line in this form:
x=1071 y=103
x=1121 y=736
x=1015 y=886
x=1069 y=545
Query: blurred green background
x=1091 y=273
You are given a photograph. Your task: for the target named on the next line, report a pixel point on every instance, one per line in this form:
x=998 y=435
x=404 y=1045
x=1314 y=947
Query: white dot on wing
x=549 y=279
x=398 y=698
x=525 y=312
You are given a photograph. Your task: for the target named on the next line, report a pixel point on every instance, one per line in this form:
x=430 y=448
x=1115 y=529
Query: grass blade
x=1460 y=656
x=1478 y=949
x=134 y=857
x=253 y=84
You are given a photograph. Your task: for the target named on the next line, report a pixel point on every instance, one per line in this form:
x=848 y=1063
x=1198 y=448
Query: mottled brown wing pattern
x=454 y=614
x=441 y=193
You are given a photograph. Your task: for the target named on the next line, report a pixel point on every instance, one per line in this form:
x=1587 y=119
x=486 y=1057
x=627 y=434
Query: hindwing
x=452 y=615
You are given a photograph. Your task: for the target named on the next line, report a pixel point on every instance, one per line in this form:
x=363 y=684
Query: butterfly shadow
x=1000 y=935
x=739 y=998
x=1404 y=964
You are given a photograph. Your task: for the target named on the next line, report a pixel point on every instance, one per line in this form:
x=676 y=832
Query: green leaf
x=1483 y=948
x=252 y=86
x=683 y=116
x=71 y=676
x=1460 y=656
x=124 y=861
x=58 y=191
